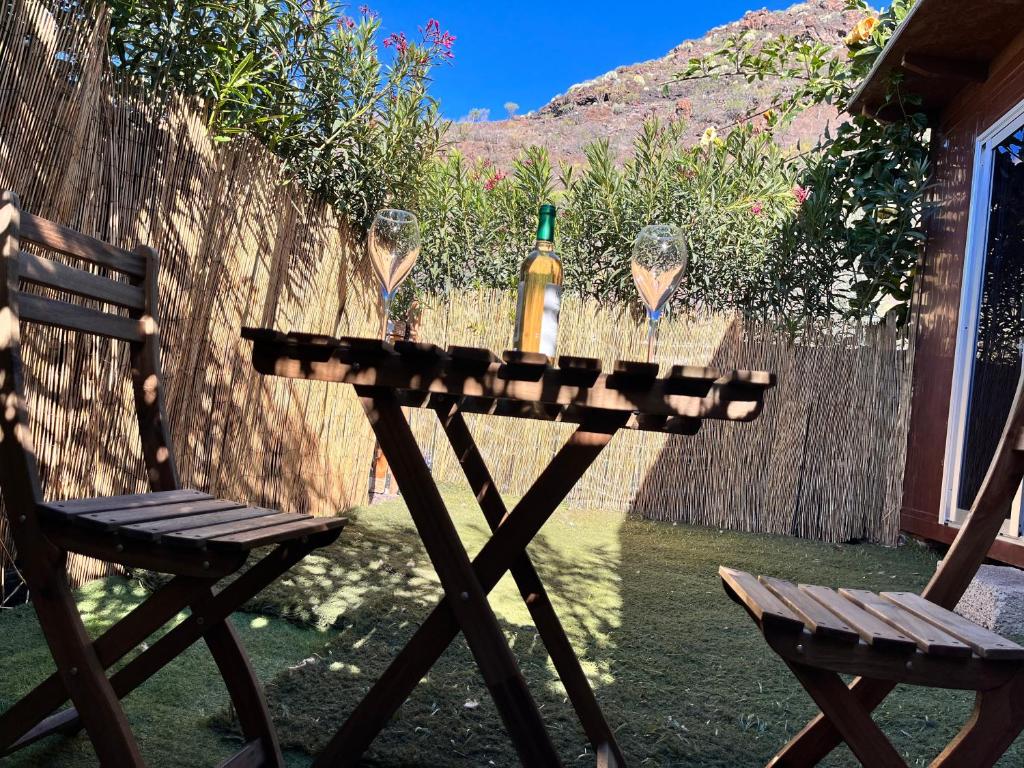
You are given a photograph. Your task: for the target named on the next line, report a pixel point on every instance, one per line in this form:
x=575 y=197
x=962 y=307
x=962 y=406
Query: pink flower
x=442 y=41
x=366 y=10
x=801 y=194
x=346 y=21
x=757 y=209
x=492 y=182
x=398 y=40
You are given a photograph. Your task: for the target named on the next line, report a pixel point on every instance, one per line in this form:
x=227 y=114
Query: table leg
x=442 y=626
x=567 y=664
x=465 y=595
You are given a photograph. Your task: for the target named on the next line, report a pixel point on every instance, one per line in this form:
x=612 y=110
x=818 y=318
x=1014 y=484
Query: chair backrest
x=988 y=512
x=130 y=314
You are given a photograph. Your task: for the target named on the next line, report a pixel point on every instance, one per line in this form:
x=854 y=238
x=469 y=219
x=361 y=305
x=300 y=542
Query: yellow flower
x=862 y=32
x=710 y=137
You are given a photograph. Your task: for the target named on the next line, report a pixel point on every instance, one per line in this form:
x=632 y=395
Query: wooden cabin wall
x=937 y=315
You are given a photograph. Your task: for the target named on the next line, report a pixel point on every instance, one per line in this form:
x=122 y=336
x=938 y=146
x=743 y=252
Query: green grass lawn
x=682 y=674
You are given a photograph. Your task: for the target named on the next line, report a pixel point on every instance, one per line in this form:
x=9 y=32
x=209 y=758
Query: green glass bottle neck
x=546 y=224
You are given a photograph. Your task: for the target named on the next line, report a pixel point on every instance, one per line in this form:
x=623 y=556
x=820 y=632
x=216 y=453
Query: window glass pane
x=997 y=359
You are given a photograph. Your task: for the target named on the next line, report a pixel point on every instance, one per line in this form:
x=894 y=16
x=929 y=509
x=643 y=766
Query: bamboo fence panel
x=239 y=245
x=824 y=461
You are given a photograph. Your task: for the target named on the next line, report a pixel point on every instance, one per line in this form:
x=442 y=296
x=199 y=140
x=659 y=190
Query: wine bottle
x=540 y=291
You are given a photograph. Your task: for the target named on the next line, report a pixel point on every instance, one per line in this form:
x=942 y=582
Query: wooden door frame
x=967 y=324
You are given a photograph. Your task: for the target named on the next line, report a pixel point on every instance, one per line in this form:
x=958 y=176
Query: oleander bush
x=834 y=232
x=349 y=113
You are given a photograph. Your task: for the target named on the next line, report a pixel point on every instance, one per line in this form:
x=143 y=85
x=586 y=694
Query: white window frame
x=970 y=307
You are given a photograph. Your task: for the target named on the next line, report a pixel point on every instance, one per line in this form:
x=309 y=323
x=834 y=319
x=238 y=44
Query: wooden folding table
x=463 y=380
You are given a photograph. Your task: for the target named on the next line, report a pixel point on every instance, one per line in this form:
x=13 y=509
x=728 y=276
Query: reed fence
x=824 y=461
x=239 y=245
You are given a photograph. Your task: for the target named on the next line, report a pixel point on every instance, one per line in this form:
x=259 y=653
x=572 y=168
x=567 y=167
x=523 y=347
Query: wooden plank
x=200 y=536
x=52 y=274
x=298 y=528
x=62 y=314
x=971 y=673
x=528 y=366
x=580 y=364
x=127 y=501
x=473 y=359
x=366 y=347
x=633 y=375
x=817 y=617
x=38 y=230
x=765 y=606
x=872 y=630
x=419 y=353
x=529 y=359
x=984 y=642
x=555 y=387
x=929 y=638
x=157 y=528
x=118 y=518
x=692 y=380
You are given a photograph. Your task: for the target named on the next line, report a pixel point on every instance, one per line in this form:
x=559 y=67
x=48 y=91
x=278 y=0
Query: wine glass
x=658 y=265
x=394 y=246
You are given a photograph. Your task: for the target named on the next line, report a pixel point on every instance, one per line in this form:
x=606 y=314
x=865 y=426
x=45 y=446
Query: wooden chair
x=900 y=637
x=174 y=530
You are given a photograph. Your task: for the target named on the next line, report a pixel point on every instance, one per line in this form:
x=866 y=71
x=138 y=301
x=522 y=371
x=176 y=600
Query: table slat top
x=517 y=384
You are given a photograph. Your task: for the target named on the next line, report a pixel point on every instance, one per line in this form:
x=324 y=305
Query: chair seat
x=175 y=526
x=890 y=635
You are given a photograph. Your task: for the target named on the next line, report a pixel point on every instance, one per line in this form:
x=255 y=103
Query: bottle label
x=549 y=322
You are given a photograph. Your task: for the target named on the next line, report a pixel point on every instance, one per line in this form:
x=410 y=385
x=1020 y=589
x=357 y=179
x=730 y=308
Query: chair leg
x=997 y=719
x=849 y=716
x=80 y=669
x=819 y=737
x=245 y=691
x=30 y=719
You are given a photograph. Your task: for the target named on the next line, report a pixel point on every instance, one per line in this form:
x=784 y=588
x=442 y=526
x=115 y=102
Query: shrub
x=305 y=78
x=730 y=195
x=854 y=246
x=832 y=232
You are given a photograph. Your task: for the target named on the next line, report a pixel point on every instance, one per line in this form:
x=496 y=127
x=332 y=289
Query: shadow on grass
x=683 y=677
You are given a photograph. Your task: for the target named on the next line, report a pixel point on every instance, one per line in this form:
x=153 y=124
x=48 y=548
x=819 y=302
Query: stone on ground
x=995 y=600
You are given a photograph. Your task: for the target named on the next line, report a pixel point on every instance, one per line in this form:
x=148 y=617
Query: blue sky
x=528 y=51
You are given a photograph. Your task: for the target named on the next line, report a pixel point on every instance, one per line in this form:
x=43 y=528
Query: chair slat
x=157 y=528
x=817 y=617
x=68 y=241
x=929 y=638
x=127 y=501
x=52 y=274
x=272 y=534
x=121 y=517
x=61 y=314
x=200 y=536
x=985 y=643
x=766 y=607
x=872 y=629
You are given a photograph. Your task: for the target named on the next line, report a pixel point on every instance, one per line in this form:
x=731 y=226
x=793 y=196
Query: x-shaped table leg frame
x=466 y=584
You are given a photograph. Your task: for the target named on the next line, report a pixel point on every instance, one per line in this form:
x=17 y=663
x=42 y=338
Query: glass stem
x=384 y=322
x=652 y=327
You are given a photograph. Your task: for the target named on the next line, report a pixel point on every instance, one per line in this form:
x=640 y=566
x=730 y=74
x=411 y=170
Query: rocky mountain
x=614 y=105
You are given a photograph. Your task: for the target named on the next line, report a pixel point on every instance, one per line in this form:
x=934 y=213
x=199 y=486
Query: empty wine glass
x=658 y=265
x=394 y=246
